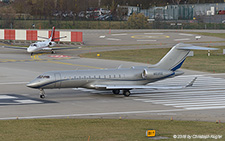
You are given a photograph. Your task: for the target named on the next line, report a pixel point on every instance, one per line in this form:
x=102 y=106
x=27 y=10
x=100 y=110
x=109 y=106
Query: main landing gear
x=42 y=94
x=53 y=52
x=125 y=92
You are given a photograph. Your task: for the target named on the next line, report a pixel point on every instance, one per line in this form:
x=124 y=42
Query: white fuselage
x=91 y=78
x=38 y=46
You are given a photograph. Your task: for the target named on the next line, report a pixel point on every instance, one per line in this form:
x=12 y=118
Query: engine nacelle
x=153 y=73
x=51 y=44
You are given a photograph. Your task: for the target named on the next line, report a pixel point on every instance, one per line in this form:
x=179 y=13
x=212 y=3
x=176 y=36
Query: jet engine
x=153 y=73
x=51 y=44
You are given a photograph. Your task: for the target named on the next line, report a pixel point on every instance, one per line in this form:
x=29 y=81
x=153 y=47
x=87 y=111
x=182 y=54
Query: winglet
x=191 y=83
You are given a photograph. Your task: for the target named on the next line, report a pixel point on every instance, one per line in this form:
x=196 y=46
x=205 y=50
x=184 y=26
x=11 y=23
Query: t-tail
x=174 y=59
x=52 y=34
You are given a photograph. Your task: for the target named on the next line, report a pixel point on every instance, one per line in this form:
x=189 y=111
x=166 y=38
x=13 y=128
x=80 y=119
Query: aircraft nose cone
x=32 y=84
x=28 y=49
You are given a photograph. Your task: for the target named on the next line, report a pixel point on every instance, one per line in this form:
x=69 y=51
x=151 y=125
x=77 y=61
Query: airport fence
x=82 y=24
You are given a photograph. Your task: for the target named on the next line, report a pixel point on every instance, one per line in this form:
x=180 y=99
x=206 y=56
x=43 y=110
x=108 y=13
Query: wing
x=61 y=48
x=121 y=87
x=15 y=47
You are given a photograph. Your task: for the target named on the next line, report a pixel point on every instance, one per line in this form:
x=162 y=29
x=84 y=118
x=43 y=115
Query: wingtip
x=191 y=83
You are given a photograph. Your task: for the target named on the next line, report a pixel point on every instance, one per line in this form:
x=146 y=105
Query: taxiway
x=204 y=101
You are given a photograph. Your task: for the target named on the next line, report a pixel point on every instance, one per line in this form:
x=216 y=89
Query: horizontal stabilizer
x=43 y=37
x=59 y=38
x=192 y=47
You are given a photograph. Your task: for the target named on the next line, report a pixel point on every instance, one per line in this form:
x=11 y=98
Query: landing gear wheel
x=126 y=93
x=31 y=54
x=116 y=91
x=53 y=52
x=42 y=94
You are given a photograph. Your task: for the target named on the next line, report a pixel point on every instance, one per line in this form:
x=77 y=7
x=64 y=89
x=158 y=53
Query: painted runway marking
x=27 y=101
x=185 y=39
x=146 y=40
x=13 y=99
x=163 y=112
x=155 y=33
x=206 y=93
x=183 y=34
x=113 y=39
x=59 y=56
x=6 y=97
x=122 y=34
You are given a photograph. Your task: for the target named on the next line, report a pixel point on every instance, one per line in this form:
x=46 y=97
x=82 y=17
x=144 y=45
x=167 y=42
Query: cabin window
x=119 y=76
x=99 y=77
x=114 y=76
x=43 y=76
x=104 y=76
x=84 y=77
x=109 y=76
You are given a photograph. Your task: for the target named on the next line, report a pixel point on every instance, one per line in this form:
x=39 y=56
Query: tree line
x=48 y=7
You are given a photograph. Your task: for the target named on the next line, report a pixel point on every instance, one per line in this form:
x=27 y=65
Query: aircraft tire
x=126 y=93
x=42 y=96
x=116 y=91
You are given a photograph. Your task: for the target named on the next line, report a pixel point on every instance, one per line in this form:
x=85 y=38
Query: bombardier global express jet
x=43 y=45
x=121 y=79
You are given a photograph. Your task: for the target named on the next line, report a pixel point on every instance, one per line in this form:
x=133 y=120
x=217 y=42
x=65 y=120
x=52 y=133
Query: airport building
x=207 y=13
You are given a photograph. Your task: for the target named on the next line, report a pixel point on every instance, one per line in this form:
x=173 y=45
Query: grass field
x=200 y=61
x=102 y=129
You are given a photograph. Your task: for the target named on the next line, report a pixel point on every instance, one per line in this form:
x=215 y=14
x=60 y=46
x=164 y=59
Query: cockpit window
x=43 y=76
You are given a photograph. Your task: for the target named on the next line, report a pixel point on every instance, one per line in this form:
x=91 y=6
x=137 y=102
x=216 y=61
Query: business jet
x=120 y=79
x=43 y=45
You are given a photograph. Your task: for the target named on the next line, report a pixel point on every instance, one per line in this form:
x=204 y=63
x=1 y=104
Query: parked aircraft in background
x=124 y=79
x=43 y=45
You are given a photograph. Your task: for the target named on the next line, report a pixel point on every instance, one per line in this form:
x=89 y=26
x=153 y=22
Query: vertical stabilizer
x=174 y=59
x=52 y=34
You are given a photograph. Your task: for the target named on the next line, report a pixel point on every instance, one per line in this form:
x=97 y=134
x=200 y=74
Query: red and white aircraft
x=43 y=45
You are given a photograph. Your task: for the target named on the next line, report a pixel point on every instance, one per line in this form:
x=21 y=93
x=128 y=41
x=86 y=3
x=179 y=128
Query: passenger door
x=57 y=79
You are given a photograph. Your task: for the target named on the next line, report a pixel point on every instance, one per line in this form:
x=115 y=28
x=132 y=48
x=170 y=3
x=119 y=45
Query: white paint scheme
x=41 y=45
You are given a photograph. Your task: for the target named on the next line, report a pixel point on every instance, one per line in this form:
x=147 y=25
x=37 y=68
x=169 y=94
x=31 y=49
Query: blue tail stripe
x=178 y=66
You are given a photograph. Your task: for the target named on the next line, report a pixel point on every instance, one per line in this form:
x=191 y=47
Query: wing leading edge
x=129 y=87
x=15 y=47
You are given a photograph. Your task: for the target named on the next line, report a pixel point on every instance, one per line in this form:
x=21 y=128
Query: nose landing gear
x=42 y=94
